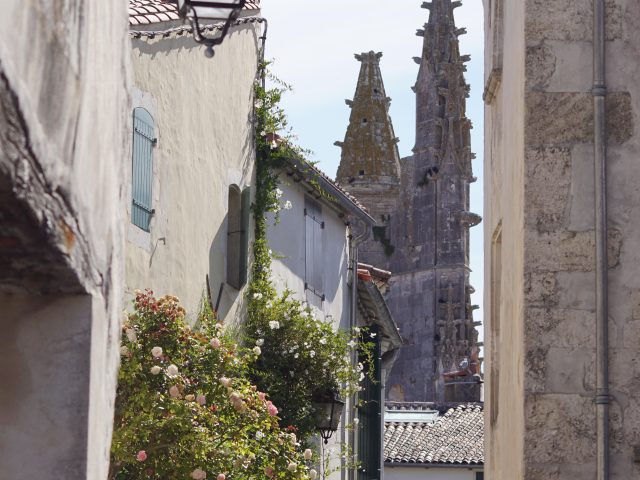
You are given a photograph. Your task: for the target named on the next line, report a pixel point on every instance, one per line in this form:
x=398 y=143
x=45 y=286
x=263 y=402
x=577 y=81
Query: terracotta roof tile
x=456 y=437
x=145 y=12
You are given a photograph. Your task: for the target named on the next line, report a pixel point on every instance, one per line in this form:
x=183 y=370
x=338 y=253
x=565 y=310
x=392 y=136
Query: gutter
x=602 y=397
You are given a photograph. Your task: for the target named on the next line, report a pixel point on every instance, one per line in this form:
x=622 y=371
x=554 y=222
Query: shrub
x=185 y=408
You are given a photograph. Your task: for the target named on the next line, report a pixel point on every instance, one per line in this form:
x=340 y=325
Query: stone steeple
x=370 y=162
x=436 y=231
x=427 y=240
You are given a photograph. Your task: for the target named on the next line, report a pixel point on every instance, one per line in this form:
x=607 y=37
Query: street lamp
x=226 y=11
x=328 y=409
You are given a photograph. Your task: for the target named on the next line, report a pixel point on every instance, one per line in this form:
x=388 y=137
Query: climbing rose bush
x=184 y=406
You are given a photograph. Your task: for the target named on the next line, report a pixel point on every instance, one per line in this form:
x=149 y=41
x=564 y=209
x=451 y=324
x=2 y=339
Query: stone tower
x=425 y=239
x=370 y=163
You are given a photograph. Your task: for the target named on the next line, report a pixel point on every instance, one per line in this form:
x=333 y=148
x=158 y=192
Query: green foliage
x=185 y=407
x=301 y=356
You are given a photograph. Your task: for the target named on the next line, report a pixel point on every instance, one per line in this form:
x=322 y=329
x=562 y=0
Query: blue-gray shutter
x=144 y=140
x=313 y=247
x=244 y=234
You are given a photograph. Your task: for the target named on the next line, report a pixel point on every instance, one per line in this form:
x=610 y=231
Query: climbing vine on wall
x=301 y=356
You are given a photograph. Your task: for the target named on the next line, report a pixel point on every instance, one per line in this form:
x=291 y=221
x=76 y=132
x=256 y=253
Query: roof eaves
x=312 y=174
x=383 y=315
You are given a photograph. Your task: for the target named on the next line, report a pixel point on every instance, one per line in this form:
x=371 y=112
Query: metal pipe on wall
x=599 y=92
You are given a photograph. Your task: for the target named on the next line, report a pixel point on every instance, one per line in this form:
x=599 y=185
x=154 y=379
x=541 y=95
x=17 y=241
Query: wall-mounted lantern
x=195 y=11
x=328 y=409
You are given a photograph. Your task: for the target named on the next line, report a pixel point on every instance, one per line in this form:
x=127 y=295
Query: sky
x=313 y=44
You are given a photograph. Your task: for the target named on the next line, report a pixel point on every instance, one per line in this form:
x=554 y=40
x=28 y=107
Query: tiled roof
x=456 y=437
x=145 y=12
x=313 y=173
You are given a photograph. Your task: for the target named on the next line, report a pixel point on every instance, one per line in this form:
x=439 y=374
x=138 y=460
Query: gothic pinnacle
x=369 y=149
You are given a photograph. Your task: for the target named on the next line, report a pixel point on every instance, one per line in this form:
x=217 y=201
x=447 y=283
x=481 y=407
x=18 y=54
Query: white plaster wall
x=416 y=473
x=287 y=239
x=202 y=110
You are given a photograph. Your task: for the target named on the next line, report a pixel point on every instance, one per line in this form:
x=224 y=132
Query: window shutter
x=234 y=237
x=244 y=234
x=314 y=278
x=142 y=168
x=309 y=261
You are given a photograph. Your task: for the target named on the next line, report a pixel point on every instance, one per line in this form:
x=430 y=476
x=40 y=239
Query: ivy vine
x=301 y=356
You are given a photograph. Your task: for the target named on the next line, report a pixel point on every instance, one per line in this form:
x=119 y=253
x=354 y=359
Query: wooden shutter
x=244 y=235
x=142 y=168
x=234 y=237
x=314 y=270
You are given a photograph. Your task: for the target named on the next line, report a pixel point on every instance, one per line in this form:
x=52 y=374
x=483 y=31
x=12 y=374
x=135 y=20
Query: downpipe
x=354 y=240
x=602 y=398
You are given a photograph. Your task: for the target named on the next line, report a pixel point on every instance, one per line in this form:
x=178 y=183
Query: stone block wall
x=558 y=245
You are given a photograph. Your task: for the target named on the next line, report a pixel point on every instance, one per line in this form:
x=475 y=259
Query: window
x=142 y=168
x=479 y=475
x=314 y=274
x=239 y=205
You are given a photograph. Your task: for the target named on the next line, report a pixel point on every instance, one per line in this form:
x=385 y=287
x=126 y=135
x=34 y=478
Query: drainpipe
x=354 y=240
x=599 y=91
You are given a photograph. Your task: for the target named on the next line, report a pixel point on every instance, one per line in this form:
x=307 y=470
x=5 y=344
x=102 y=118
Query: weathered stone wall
x=63 y=141
x=558 y=248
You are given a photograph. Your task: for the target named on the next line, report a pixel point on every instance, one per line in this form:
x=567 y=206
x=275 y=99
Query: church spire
x=369 y=151
x=442 y=127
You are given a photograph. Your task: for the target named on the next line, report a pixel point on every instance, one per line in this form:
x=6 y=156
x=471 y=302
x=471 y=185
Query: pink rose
x=268 y=471
x=271 y=408
x=141 y=456
x=262 y=396
x=174 y=392
x=221 y=476
x=201 y=399
x=215 y=343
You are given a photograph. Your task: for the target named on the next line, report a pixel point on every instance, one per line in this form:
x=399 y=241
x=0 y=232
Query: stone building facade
x=541 y=292
x=64 y=70
x=421 y=204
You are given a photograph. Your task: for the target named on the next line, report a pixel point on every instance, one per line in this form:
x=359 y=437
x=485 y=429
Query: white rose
x=288 y=205
x=198 y=474
x=313 y=474
x=131 y=334
x=260 y=342
x=155 y=370
x=257 y=350
x=124 y=351
x=226 y=382
x=292 y=466
x=308 y=454
x=156 y=352
x=172 y=371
